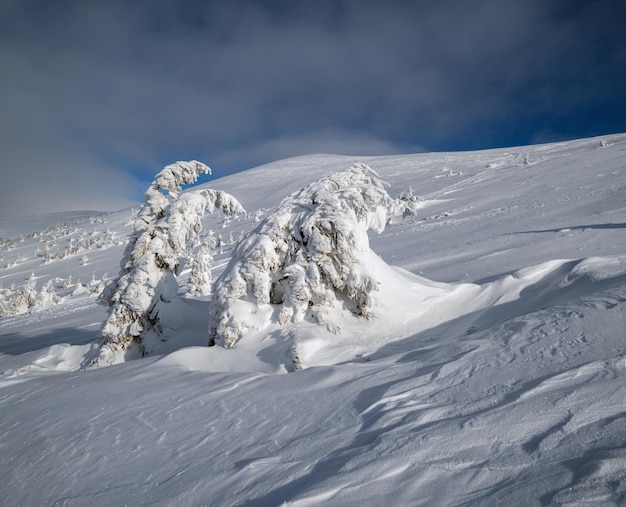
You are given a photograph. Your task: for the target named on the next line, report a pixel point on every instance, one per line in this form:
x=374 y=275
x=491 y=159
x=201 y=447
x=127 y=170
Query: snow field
x=492 y=371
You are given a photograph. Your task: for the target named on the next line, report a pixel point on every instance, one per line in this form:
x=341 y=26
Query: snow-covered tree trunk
x=305 y=257
x=152 y=259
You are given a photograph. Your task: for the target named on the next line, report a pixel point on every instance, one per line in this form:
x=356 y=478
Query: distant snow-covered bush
x=306 y=256
x=23 y=299
x=412 y=202
x=27 y=298
x=152 y=259
x=78 y=289
x=96 y=286
x=47 y=296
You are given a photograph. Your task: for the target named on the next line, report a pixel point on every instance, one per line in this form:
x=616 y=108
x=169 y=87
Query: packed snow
x=478 y=358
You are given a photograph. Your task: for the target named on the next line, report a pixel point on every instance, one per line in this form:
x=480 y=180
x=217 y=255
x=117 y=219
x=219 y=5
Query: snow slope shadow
x=577 y=228
x=442 y=392
x=318 y=482
x=58 y=350
x=15 y=344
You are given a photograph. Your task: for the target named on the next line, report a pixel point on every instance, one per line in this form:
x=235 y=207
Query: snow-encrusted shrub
x=96 y=286
x=26 y=298
x=79 y=288
x=200 y=277
x=412 y=203
x=306 y=256
x=152 y=259
x=47 y=296
x=46 y=255
x=23 y=299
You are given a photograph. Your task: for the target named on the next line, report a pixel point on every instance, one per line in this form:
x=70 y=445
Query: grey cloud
x=129 y=86
x=43 y=168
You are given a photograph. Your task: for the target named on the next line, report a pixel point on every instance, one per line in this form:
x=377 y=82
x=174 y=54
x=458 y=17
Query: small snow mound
x=64 y=357
x=218 y=359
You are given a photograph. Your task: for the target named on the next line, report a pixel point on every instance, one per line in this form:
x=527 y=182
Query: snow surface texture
x=493 y=374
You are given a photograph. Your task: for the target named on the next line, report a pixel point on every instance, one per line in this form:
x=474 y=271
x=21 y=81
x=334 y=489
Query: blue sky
x=97 y=96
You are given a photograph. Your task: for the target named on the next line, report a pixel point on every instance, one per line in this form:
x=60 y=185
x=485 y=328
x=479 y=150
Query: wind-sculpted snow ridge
x=305 y=257
x=145 y=292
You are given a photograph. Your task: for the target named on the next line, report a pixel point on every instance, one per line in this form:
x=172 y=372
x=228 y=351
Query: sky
x=96 y=96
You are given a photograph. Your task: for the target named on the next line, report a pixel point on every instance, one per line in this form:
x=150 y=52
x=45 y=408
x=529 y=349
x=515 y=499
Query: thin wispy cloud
x=98 y=95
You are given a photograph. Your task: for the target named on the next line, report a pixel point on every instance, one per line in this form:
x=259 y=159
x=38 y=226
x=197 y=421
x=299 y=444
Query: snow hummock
x=492 y=369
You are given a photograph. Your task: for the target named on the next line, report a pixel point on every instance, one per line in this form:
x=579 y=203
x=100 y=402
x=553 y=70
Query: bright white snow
x=493 y=371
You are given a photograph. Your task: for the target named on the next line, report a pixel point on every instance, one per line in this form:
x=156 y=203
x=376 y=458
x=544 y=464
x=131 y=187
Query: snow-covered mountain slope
x=493 y=372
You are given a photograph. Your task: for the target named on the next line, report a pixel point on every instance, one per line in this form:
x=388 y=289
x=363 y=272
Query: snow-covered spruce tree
x=152 y=259
x=305 y=257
